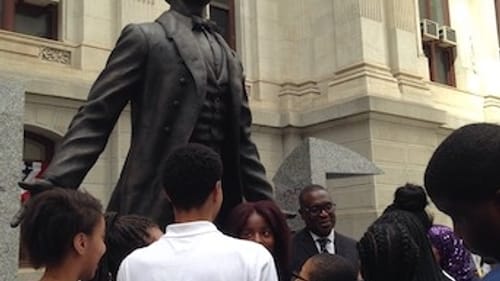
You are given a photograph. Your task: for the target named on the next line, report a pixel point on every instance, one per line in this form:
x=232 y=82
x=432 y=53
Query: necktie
x=322 y=244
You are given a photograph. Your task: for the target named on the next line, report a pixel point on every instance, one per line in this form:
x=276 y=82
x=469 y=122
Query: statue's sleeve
x=89 y=130
x=255 y=184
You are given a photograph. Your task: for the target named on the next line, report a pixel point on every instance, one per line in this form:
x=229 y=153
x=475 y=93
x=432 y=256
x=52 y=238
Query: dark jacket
x=158 y=68
x=303 y=247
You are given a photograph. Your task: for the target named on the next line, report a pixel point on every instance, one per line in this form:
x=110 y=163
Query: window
x=32 y=17
x=441 y=59
x=222 y=12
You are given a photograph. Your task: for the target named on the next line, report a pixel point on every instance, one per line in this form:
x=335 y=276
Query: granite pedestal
x=11 y=149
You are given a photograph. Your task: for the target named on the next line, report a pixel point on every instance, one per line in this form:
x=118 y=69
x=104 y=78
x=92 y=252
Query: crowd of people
x=66 y=231
x=190 y=118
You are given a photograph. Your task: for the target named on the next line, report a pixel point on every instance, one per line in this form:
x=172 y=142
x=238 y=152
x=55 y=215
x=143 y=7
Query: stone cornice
x=362 y=105
x=361 y=70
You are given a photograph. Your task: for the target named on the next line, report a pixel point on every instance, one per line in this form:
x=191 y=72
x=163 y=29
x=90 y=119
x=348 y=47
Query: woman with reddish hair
x=264 y=223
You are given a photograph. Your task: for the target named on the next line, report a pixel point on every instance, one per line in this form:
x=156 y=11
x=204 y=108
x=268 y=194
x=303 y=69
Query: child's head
x=124 y=234
x=63 y=224
x=463 y=180
x=396 y=247
x=324 y=267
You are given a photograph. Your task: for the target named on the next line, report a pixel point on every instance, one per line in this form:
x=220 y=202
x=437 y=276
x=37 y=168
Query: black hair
x=396 y=248
x=388 y=252
x=327 y=267
x=124 y=234
x=51 y=221
x=307 y=189
x=412 y=198
x=190 y=175
x=465 y=164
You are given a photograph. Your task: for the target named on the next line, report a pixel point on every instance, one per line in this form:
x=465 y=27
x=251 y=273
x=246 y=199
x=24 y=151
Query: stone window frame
x=9 y=8
x=229 y=7
x=433 y=51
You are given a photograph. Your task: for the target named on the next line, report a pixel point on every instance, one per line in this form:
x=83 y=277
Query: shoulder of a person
x=246 y=247
x=344 y=238
x=300 y=234
x=143 y=253
x=148 y=29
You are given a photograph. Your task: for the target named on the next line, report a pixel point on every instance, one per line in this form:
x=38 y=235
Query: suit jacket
x=158 y=68
x=304 y=247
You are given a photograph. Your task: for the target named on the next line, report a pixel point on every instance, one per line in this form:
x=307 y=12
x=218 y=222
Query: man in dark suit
x=318 y=213
x=184 y=84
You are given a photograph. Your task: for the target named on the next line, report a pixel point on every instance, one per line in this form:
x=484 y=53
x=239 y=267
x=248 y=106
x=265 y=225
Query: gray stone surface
x=11 y=149
x=313 y=162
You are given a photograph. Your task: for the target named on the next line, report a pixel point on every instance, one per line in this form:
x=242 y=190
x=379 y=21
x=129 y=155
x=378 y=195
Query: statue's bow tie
x=200 y=24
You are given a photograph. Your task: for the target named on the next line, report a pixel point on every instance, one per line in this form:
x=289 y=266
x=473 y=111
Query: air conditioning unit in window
x=430 y=30
x=447 y=37
x=41 y=3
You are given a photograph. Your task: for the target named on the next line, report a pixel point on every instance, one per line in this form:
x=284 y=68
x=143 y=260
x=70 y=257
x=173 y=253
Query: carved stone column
x=406 y=59
x=361 y=51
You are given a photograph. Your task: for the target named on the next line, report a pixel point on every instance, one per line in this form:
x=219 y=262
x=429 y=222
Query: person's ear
x=217 y=190
x=80 y=243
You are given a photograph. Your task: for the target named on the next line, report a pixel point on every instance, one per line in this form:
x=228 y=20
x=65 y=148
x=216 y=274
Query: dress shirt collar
x=329 y=246
x=189 y=229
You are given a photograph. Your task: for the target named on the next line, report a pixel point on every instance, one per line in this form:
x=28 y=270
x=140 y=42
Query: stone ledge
x=366 y=104
x=37 y=48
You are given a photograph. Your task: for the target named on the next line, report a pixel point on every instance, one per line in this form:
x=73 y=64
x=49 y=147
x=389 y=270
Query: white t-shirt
x=198 y=251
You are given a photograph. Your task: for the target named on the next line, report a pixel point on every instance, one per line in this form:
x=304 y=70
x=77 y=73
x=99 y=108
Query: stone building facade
x=355 y=72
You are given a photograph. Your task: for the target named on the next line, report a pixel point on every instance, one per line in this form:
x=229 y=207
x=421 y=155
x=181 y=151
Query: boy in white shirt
x=193 y=248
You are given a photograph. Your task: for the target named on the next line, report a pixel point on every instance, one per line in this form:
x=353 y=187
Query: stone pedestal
x=11 y=149
x=314 y=162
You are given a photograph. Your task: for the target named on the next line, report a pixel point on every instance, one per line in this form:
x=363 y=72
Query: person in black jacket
x=184 y=85
x=318 y=236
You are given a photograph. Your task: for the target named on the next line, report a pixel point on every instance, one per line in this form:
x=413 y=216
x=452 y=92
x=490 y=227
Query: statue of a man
x=184 y=84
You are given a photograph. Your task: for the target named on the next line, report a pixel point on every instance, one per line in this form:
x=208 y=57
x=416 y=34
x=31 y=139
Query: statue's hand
x=34 y=188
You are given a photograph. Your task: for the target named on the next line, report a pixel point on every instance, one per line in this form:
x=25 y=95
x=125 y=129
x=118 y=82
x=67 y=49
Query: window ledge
x=45 y=50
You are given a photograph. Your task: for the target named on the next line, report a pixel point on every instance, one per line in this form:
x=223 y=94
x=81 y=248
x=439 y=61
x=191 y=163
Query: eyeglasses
x=296 y=276
x=316 y=210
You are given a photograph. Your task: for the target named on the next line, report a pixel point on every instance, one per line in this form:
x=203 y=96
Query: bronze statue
x=184 y=84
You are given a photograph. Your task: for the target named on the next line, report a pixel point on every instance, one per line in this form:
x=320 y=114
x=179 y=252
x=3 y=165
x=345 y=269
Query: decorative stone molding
x=301 y=89
x=360 y=70
x=406 y=79
x=491 y=101
x=55 y=55
x=491 y=109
